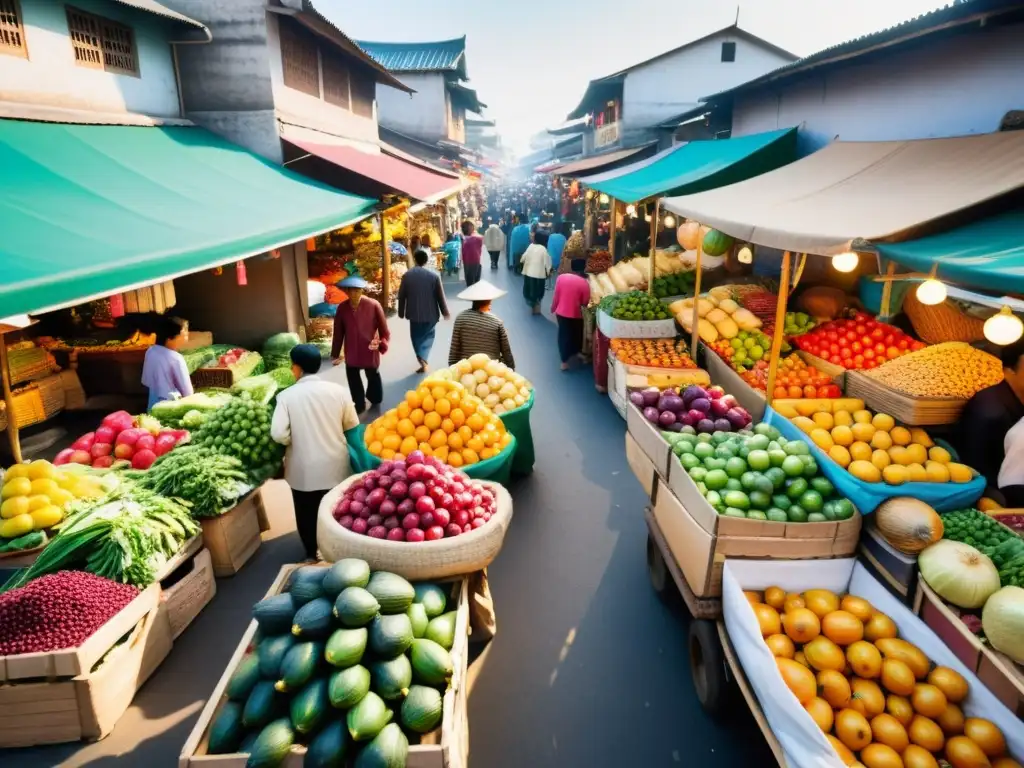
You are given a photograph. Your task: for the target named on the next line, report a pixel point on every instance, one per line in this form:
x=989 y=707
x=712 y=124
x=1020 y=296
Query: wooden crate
x=916 y=411
x=1000 y=674
x=648 y=440
x=189 y=590
x=74 y=662
x=447 y=747
x=895 y=570
x=700 y=539
x=234 y=537
x=89 y=705
x=643 y=468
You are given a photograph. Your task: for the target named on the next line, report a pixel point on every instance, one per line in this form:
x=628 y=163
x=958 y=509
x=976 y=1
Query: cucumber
x=246 y=746
x=313 y=620
x=390 y=635
x=299 y=665
x=433 y=598
x=394 y=593
x=418 y=618
x=307 y=584
x=245 y=676
x=422 y=709
x=389 y=749
x=346 y=647
x=275 y=614
x=272 y=652
x=272 y=745
x=355 y=607
x=431 y=663
x=442 y=630
x=308 y=573
x=227 y=730
x=327 y=750
x=391 y=679
x=262 y=706
x=349 y=572
x=367 y=718
x=347 y=687
x=310 y=706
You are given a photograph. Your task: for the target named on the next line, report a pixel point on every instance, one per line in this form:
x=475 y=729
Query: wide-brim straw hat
x=482 y=291
x=352 y=281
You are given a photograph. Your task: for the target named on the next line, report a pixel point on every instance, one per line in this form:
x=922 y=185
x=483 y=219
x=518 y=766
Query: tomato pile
x=655 y=353
x=858 y=343
x=796 y=379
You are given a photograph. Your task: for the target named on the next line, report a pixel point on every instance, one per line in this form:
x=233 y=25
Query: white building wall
x=424 y=114
x=954 y=87
x=676 y=82
x=50 y=76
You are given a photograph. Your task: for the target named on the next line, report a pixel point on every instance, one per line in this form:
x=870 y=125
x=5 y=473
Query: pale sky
x=530 y=60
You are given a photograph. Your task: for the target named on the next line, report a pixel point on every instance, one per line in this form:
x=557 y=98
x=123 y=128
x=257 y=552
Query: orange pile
x=878 y=698
x=655 y=353
x=439 y=418
x=796 y=379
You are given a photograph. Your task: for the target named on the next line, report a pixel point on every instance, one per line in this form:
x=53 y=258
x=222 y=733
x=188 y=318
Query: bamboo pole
x=12 y=427
x=695 y=336
x=890 y=270
x=385 y=257
x=651 y=270
x=780 y=325
x=612 y=228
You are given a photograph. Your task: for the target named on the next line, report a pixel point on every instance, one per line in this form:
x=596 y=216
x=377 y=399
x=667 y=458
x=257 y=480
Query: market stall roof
x=602 y=161
x=435 y=56
x=88 y=210
x=399 y=176
x=196 y=31
x=985 y=254
x=863 y=190
x=699 y=165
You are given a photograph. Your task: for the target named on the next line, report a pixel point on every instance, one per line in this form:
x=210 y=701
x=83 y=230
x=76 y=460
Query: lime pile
x=639 y=305
x=749 y=347
x=759 y=475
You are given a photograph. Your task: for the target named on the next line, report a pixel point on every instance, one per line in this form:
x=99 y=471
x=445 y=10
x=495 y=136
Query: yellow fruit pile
x=877 y=698
x=439 y=418
x=34 y=496
x=951 y=369
x=873 y=448
x=500 y=388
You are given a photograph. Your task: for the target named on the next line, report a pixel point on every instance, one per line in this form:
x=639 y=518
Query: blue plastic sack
x=944 y=497
x=323 y=309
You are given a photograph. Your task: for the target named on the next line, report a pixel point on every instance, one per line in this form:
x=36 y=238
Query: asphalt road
x=589 y=667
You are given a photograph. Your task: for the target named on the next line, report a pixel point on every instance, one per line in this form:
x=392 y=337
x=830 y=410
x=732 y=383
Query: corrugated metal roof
x=152 y=6
x=440 y=56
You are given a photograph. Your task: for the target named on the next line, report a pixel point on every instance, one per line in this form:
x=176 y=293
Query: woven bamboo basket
x=909 y=409
x=74 y=394
x=51 y=393
x=223 y=378
x=319 y=326
x=28 y=408
x=934 y=324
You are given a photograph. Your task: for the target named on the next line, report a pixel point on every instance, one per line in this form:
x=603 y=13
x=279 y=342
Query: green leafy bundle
x=242 y=429
x=210 y=482
x=991 y=538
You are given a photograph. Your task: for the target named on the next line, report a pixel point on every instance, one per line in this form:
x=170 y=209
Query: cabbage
x=1003 y=622
x=260 y=388
x=276 y=350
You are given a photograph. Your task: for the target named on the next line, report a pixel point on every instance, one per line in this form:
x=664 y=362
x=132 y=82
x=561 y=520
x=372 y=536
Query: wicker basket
x=942 y=322
x=51 y=392
x=28 y=408
x=320 y=326
x=74 y=394
x=908 y=409
x=224 y=378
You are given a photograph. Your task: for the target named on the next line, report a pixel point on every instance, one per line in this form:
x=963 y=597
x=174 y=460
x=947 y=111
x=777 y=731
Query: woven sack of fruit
x=936 y=323
x=421 y=560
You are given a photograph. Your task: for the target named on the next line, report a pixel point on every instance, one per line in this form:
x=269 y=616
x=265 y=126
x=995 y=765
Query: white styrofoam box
x=802 y=741
x=635 y=329
x=315 y=292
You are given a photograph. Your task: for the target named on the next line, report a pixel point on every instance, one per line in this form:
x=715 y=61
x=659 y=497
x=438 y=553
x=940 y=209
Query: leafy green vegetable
x=242 y=429
x=276 y=350
x=988 y=536
x=209 y=481
x=264 y=388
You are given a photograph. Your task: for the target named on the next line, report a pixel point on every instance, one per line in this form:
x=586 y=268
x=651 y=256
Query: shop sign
x=605 y=135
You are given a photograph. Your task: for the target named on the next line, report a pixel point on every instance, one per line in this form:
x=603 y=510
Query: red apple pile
x=418 y=499
x=858 y=343
x=119 y=439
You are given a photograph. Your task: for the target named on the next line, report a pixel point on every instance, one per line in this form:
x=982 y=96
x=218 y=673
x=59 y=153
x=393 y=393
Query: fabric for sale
x=861 y=190
x=90 y=210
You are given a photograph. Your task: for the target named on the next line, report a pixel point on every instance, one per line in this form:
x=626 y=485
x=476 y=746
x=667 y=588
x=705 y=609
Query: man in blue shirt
x=519 y=241
x=556 y=244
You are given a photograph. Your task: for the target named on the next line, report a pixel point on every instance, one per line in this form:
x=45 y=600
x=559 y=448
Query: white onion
x=959 y=573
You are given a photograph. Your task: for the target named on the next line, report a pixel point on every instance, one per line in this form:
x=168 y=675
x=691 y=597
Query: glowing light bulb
x=845 y=262
x=745 y=255
x=604 y=199
x=631 y=209
x=647 y=218
x=931 y=291
x=1003 y=327
x=670 y=221
x=590 y=194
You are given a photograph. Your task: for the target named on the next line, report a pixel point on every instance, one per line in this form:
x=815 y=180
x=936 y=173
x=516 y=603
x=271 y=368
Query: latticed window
x=299 y=59
x=12 y=33
x=336 y=80
x=101 y=43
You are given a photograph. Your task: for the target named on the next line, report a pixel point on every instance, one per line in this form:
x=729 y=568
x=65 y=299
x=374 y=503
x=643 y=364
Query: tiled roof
x=440 y=56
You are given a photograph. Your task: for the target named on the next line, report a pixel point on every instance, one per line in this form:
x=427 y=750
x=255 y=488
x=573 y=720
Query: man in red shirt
x=360 y=325
x=472 y=250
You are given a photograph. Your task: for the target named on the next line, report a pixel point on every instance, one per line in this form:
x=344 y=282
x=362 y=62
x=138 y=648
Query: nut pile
x=951 y=369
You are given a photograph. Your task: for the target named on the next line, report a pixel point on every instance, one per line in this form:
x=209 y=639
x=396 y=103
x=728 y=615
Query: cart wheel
x=661 y=579
x=707 y=665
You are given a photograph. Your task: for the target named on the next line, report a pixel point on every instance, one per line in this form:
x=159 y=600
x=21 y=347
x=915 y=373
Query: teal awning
x=88 y=210
x=698 y=166
x=985 y=254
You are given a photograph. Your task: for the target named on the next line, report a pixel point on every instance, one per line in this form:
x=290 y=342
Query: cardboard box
x=447 y=747
x=234 y=537
x=89 y=705
x=642 y=466
x=189 y=590
x=700 y=539
x=894 y=569
x=648 y=438
x=1000 y=674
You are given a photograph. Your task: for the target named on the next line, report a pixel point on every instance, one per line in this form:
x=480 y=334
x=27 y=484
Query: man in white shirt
x=311 y=418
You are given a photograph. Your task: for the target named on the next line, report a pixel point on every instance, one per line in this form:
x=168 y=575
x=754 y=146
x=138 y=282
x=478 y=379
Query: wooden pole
x=12 y=427
x=780 y=325
x=385 y=257
x=614 y=206
x=694 y=336
x=651 y=270
x=890 y=270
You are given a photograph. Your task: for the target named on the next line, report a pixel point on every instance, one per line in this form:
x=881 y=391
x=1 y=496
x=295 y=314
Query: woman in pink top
x=572 y=293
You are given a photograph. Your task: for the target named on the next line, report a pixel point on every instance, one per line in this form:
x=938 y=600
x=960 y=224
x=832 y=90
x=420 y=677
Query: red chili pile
x=58 y=611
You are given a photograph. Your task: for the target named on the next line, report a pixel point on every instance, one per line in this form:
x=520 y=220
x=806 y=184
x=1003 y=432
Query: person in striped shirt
x=477 y=330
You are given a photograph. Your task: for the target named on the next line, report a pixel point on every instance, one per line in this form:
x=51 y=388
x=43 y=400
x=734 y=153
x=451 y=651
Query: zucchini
x=299 y=665
x=245 y=676
x=262 y=706
x=433 y=599
x=307 y=585
x=310 y=706
x=391 y=679
x=389 y=749
x=313 y=620
x=418 y=618
x=394 y=593
x=327 y=749
x=390 y=636
x=272 y=652
x=227 y=730
x=346 y=647
x=246 y=746
x=272 y=745
x=442 y=630
x=308 y=573
x=355 y=607
x=367 y=718
x=422 y=709
x=275 y=614
x=431 y=663
x=349 y=572
x=347 y=687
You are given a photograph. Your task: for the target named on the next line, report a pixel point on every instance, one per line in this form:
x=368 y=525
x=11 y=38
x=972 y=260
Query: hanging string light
x=631 y=210
x=1003 y=327
x=670 y=221
x=845 y=262
x=931 y=292
x=603 y=199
